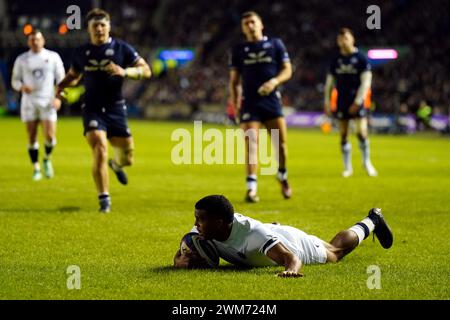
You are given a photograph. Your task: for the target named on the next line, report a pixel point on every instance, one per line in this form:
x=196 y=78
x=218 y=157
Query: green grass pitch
x=49 y=225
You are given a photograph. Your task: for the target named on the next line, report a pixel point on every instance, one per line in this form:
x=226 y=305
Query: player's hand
x=233 y=112
x=114 y=70
x=353 y=109
x=237 y=115
x=26 y=89
x=290 y=274
x=56 y=104
x=181 y=260
x=196 y=261
x=268 y=87
x=189 y=259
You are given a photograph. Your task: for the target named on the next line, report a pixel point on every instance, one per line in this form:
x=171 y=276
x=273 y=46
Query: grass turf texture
x=49 y=225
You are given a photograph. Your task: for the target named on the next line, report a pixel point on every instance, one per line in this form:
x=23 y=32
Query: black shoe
x=105 y=205
x=120 y=174
x=251 y=197
x=382 y=230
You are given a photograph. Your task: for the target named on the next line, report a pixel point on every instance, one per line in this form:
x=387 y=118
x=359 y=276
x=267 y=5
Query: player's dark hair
x=97 y=13
x=345 y=30
x=34 y=32
x=217 y=205
x=247 y=14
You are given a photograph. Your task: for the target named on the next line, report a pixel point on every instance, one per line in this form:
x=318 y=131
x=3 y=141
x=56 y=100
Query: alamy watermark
x=374 y=280
x=228 y=148
x=374 y=20
x=73 y=21
x=74 y=279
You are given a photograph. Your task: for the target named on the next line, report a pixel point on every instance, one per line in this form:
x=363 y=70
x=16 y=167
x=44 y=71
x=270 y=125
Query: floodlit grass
x=49 y=225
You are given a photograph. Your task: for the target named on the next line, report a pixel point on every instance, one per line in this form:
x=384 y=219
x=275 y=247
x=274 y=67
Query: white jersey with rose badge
x=250 y=240
x=40 y=71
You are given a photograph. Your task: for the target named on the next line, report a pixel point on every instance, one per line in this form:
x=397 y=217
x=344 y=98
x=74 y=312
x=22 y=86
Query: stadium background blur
x=51 y=225
x=197 y=89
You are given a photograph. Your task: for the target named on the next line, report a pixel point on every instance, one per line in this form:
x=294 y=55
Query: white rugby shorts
x=37 y=108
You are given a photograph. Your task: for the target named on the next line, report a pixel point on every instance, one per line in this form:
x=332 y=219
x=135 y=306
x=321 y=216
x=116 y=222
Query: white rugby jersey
x=250 y=240
x=40 y=71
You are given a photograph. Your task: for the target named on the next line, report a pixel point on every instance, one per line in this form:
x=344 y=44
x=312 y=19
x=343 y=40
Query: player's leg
x=33 y=147
x=49 y=128
x=29 y=114
x=119 y=136
x=346 y=241
x=99 y=144
x=281 y=150
x=362 y=133
x=124 y=156
x=346 y=147
x=251 y=158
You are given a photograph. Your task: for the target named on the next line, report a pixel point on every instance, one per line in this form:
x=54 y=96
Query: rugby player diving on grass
x=244 y=241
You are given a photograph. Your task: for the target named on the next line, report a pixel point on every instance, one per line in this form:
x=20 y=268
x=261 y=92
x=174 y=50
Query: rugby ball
x=192 y=242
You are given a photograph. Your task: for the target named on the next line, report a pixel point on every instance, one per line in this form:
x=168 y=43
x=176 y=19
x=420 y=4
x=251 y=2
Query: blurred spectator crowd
x=308 y=29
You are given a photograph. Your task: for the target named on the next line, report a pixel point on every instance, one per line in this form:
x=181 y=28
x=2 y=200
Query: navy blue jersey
x=258 y=62
x=103 y=90
x=347 y=71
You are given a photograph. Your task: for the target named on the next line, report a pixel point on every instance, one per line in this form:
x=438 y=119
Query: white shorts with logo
x=314 y=250
x=37 y=108
x=310 y=249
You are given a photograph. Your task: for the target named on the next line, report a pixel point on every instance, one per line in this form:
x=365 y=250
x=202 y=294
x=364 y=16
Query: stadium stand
x=308 y=29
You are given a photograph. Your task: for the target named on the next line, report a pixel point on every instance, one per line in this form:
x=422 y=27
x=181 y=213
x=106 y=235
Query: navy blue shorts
x=342 y=113
x=113 y=120
x=259 y=114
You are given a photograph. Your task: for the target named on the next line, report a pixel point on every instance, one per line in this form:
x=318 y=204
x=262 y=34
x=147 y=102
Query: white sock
x=252 y=182
x=282 y=175
x=365 y=150
x=346 y=149
x=363 y=229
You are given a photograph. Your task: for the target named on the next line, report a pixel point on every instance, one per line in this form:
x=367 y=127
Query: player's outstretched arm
x=284 y=75
x=143 y=65
x=281 y=255
x=16 y=79
x=329 y=85
x=140 y=70
x=71 y=79
x=366 y=82
x=235 y=88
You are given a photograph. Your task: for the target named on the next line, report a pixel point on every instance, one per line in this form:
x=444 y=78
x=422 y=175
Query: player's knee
x=332 y=257
x=129 y=159
x=124 y=157
x=49 y=137
x=50 y=141
x=101 y=152
x=362 y=136
x=251 y=135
